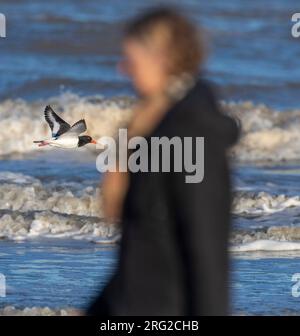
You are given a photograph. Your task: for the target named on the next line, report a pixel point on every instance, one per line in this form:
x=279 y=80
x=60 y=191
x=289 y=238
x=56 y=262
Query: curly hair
x=171 y=32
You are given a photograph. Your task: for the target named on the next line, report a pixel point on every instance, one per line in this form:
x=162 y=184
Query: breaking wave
x=269 y=238
x=267 y=134
x=29 y=209
x=266 y=245
x=251 y=203
x=273 y=233
x=264 y=235
x=22 y=122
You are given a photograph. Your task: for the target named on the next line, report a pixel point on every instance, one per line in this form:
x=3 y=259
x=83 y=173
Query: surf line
x=139 y=154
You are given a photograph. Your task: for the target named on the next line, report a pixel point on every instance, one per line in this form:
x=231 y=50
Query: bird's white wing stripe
x=56 y=125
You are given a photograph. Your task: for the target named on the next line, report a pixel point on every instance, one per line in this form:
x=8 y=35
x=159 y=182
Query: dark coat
x=173 y=254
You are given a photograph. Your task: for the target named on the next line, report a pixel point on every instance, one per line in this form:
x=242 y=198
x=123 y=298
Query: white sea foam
x=267 y=134
x=36 y=311
x=273 y=239
x=22 y=122
x=262 y=203
x=278 y=233
x=30 y=209
x=21 y=226
x=266 y=245
x=35 y=196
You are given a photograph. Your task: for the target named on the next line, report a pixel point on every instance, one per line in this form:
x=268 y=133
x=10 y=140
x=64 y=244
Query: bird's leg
x=43 y=143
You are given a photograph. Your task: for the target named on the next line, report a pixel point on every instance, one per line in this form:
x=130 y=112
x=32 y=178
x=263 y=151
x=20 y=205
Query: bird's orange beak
x=94 y=142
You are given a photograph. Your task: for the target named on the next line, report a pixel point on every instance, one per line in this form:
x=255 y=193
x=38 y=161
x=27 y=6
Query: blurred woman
x=173 y=253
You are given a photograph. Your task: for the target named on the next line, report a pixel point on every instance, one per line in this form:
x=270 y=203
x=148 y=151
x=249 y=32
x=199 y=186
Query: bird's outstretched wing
x=78 y=128
x=57 y=124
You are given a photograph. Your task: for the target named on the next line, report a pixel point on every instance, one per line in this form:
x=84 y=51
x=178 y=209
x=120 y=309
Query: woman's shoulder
x=203 y=89
x=201 y=96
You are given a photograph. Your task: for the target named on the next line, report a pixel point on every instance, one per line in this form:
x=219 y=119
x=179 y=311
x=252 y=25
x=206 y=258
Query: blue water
x=263 y=286
x=54 y=166
x=74 y=45
x=62 y=274
x=55 y=273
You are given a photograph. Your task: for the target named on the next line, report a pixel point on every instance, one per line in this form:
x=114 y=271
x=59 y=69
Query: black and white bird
x=63 y=134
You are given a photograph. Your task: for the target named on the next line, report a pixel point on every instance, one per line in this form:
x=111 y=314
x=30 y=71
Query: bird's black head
x=85 y=139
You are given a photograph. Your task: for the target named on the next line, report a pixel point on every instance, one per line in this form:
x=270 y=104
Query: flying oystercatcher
x=64 y=135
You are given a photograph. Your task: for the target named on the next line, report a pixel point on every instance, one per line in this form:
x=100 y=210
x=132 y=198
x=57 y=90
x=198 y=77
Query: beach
x=56 y=250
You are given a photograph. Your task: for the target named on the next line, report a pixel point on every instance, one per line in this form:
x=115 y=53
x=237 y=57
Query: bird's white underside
x=64 y=142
